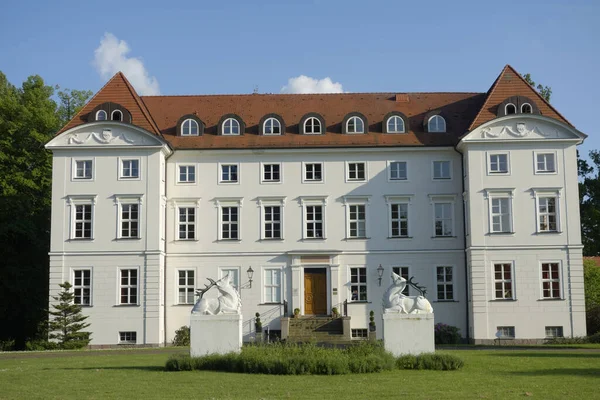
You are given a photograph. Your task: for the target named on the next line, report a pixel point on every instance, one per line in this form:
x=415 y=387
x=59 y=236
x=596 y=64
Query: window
x=314 y=221
x=404 y=273
x=272 y=222
x=231 y=126
x=187 y=174
x=399 y=220
x=441 y=170
x=229 y=173
x=271 y=173
x=312 y=126
x=127 y=337
x=443 y=219
x=358 y=283
x=498 y=163
x=547 y=216
x=436 y=124
x=129 y=221
x=359 y=334
x=554 y=331
x=234 y=276
x=510 y=108
x=503 y=281
x=82 y=287
x=128 y=286
x=83 y=221
x=500 y=215
x=313 y=172
x=116 y=115
x=445 y=285
x=357 y=221
x=356 y=171
x=190 y=128
x=505 y=332
x=187 y=223
x=397 y=171
x=551 y=281
x=186 y=287
x=395 y=124
x=101 y=115
x=272 y=126
x=355 y=125
x=229 y=223
x=526 y=108
x=130 y=169
x=272 y=285
x=83 y=169
x=545 y=163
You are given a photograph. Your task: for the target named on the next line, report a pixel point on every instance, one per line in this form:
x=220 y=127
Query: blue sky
x=197 y=47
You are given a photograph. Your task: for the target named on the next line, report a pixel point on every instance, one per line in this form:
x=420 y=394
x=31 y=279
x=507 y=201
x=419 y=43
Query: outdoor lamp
x=250 y=275
x=380 y=273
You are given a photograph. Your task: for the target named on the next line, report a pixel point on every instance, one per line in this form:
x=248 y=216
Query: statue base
x=408 y=333
x=218 y=334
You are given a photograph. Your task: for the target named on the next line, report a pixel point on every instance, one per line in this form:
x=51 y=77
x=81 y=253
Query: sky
x=275 y=46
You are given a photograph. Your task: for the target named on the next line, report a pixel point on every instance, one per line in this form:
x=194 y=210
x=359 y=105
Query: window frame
x=239 y=127
x=120 y=286
x=389 y=169
x=120 y=201
x=502 y=329
x=502 y=281
x=399 y=268
x=530 y=108
x=392 y=200
x=450 y=174
x=113 y=113
x=557 y=328
x=555 y=193
x=357 y=201
x=538 y=171
x=436 y=117
x=183 y=130
x=506 y=109
x=491 y=172
x=264 y=127
x=74 y=177
x=229 y=202
x=387 y=124
x=263 y=170
x=125 y=334
x=358 y=284
x=105 y=115
x=271 y=202
x=186 y=286
x=220 y=179
x=445 y=282
x=280 y=270
x=365 y=170
x=76 y=200
x=354 y=119
x=237 y=270
x=121 y=166
x=444 y=199
x=309 y=201
x=176 y=205
x=178 y=167
x=490 y=196
x=550 y=280
x=305 y=132
x=305 y=171
x=82 y=287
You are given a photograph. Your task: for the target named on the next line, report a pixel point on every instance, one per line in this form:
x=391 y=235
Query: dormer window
x=312 y=126
x=116 y=115
x=355 y=125
x=436 y=124
x=272 y=126
x=189 y=128
x=510 y=108
x=101 y=115
x=231 y=127
x=526 y=108
x=395 y=124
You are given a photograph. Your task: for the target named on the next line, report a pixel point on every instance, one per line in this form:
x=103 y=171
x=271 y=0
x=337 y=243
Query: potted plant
x=372 y=326
x=335 y=313
x=296 y=312
x=258 y=324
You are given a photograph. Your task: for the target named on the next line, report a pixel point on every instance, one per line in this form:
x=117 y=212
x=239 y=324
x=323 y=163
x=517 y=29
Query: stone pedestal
x=408 y=333
x=220 y=334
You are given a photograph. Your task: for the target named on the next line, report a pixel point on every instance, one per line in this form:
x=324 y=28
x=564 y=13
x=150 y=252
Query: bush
x=182 y=336
x=432 y=361
x=446 y=334
x=7 y=345
x=41 y=345
x=595 y=338
x=567 y=340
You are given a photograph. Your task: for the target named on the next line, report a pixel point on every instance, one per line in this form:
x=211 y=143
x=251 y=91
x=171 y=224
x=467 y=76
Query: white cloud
x=111 y=57
x=305 y=84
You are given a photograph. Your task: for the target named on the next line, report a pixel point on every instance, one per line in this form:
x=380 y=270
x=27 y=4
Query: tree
x=68 y=321
x=591 y=279
x=589 y=203
x=71 y=101
x=545 y=91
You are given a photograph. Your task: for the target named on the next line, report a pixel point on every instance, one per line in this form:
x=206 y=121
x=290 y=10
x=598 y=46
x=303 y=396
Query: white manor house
x=311 y=201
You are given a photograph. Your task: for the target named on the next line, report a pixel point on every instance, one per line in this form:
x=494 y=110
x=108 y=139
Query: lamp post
x=250 y=273
x=380 y=273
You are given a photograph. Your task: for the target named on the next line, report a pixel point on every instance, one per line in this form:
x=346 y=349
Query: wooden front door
x=315 y=291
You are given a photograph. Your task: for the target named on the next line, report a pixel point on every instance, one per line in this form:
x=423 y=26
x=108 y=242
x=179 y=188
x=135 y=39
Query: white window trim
x=389 y=171
x=72 y=274
x=506 y=109
x=366 y=284
x=119 y=200
x=176 y=203
x=120 y=168
x=489 y=195
x=176 y=290
x=313 y=201
x=264 y=127
x=392 y=266
x=138 y=286
x=231 y=134
x=262 y=173
x=75 y=200
x=535 y=166
x=276 y=201
x=435 y=283
x=450 y=169
x=357 y=201
x=229 y=202
x=489 y=163
x=348 y=180
x=399 y=199
x=440 y=198
x=220 y=180
x=185 y=183
x=356 y=132
x=530 y=107
x=304 y=180
x=548 y=192
x=74 y=169
x=395 y=131
x=126 y=341
x=312 y=133
x=561 y=288
x=238 y=270
x=282 y=294
x=105 y=115
x=512 y=279
x=113 y=113
x=190 y=134
x=436 y=131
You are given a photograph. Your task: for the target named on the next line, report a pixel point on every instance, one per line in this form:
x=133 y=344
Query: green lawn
x=488 y=374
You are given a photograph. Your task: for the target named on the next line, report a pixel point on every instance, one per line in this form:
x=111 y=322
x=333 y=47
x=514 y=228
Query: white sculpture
x=228 y=302
x=395 y=301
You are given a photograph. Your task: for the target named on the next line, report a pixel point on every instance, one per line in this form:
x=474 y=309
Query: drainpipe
x=462 y=166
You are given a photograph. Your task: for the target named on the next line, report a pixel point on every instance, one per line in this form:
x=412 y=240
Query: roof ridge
x=140 y=103
x=300 y=94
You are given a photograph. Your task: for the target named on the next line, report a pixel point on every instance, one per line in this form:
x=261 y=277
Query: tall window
x=129 y=220
x=83 y=169
x=358 y=283
x=271 y=172
x=445 y=283
x=272 y=216
x=186 y=286
x=229 y=173
x=395 y=124
x=551 y=281
x=312 y=126
x=314 y=221
x=501 y=219
x=313 y=172
x=398 y=171
x=357 y=221
x=187 y=174
x=498 y=163
x=82 y=287
x=189 y=128
x=436 y=124
x=231 y=126
x=545 y=163
x=272 y=126
x=229 y=223
x=503 y=281
x=355 y=125
x=129 y=286
x=83 y=221
x=357 y=171
x=404 y=273
x=187 y=223
x=130 y=169
x=399 y=219
x=272 y=285
x=441 y=170
x=234 y=276
x=443 y=220
x=547 y=214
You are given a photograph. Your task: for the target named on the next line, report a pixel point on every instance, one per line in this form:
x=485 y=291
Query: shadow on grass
x=595 y=372
x=549 y=355
x=149 y=368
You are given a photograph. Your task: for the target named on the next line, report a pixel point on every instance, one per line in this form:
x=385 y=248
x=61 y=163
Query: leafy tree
x=71 y=101
x=589 y=203
x=68 y=321
x=591 y=278
x=545 y=91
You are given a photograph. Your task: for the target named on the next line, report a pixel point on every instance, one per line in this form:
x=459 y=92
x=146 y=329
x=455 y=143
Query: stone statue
x=395 y=301
x=228 y=302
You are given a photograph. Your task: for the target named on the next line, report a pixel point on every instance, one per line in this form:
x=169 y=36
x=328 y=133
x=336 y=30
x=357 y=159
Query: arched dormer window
x=526 y=108
x=436 y=124
x=116 y=115
x=101 y=115
x=517 y=105
x=510 y=108
x=312 y=126
x=231 y=126
x=272 y=127
x=355 y=125
x=190 y=128
x=395 y=124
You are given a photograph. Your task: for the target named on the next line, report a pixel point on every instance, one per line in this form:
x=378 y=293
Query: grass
x=492 y=374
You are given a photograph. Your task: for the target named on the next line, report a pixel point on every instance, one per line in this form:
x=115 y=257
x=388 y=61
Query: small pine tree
x=68 y=321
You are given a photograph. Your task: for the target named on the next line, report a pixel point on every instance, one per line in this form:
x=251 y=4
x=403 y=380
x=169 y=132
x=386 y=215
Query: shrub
x=595 y=338
x=182 y=336
x=567 y=340
x=41 y=345
x=432 y=361
x=446 y=334
x=7 y=345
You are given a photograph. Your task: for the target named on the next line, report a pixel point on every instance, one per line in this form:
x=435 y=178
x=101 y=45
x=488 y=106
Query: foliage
x=68 y=321
x=589 y=203
x=41 y=345
x=71 y=101
x=545 y=91
x=257 y=322
x=591 y=279
x=574 y=340
x=433 y=361
x=182 y=336
x=7 y=345
x=446 y=334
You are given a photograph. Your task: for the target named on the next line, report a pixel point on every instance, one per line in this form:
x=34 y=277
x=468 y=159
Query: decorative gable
x=105 y=134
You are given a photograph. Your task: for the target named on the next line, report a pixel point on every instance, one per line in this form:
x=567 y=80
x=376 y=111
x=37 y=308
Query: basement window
x=127 y=337
x=359 y=334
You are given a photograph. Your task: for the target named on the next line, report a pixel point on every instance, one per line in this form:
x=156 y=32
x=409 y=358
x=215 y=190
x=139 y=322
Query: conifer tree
x=67 y=321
